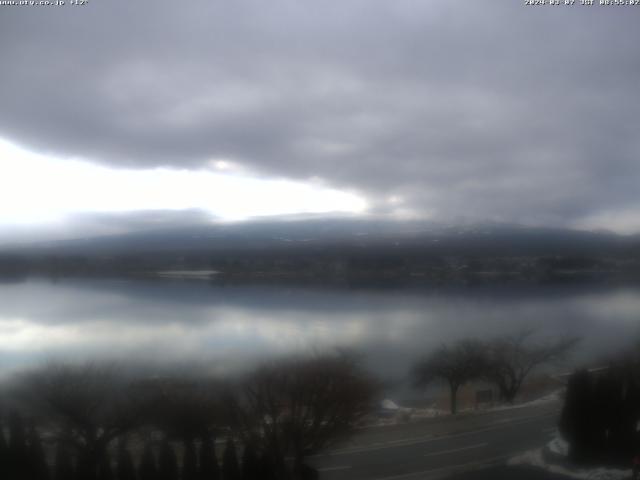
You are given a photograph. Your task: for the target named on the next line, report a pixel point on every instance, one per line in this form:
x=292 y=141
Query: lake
x=230 y=328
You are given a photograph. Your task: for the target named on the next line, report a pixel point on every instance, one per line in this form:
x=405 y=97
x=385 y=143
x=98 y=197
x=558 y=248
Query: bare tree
x=18 y=461
x=510 y=359
x=125 y=469
x=189 y=461
x=63 y=464
x=456 y=364
x=4 y=454
x=88 y=406
x=301 y=406
x=167 y=462
x=148 y=468
x=37 y=459
x=209 y=468
x=187 y=408
x=230 y=465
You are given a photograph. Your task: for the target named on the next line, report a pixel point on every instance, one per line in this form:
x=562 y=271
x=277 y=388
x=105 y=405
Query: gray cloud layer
x=475 y=109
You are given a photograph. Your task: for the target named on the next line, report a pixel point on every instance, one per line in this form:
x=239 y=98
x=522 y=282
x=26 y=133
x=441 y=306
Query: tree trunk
x=511 y=392
x=301 y=471
x=454 y=398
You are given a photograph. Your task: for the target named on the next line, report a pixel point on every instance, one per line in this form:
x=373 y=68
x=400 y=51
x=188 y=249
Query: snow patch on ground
x=428 y=413
x=558 y=446
x=390 y=413
x=552 y=397
x=389 y=404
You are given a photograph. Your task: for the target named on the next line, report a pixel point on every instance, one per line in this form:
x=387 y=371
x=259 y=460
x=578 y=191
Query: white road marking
x=425 y=439
x=444 y=452
x=333 y=469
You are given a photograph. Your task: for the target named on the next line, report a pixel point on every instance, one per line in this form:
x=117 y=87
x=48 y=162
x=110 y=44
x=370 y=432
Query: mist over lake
x=227 y=329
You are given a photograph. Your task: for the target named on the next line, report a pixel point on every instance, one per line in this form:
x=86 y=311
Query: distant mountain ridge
x=343 y=252
x=495 y=238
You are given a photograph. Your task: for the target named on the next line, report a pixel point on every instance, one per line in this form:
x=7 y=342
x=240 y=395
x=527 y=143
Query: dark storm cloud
x=480 y=110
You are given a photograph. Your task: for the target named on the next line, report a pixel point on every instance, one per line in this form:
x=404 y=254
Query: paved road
x=439 y=447
x=508 y=473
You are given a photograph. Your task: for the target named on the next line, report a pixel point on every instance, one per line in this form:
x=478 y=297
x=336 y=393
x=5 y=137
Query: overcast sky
x=172 y=111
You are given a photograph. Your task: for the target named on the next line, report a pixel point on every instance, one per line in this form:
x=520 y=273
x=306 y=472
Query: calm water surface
x=228 y=328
